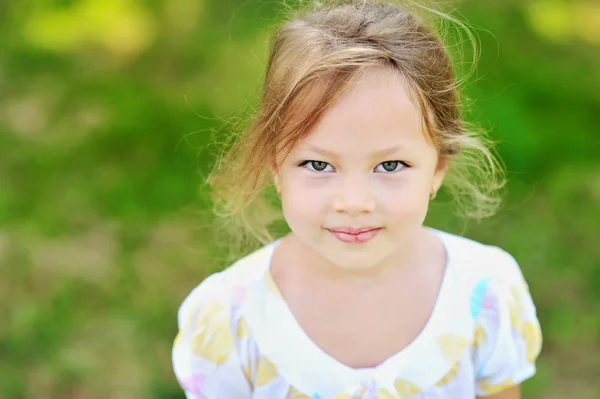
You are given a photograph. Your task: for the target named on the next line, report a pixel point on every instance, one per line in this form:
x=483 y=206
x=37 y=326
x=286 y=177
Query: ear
x=276 y=179
x=440 y=173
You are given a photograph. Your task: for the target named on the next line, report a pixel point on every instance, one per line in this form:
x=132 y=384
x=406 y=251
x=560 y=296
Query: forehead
x=376 y=112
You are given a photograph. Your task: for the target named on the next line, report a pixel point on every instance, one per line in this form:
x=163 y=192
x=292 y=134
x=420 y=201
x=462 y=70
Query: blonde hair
x=315 y=58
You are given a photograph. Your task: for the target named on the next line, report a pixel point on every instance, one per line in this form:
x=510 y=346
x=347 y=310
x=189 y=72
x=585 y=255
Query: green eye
x=390 y=166
x=316 y=166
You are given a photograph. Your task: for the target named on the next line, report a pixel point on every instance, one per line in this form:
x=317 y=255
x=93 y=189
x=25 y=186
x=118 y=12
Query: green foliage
x=106 y=109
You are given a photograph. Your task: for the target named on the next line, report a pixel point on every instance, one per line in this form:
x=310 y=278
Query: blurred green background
x=106 y=108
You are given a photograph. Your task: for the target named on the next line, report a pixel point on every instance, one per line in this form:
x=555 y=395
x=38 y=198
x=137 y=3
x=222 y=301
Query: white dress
x=238 y=338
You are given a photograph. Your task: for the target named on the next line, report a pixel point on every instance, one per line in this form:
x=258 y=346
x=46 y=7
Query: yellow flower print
x=490 y=389
x=265 y=372
x=185 y=326
x=452 y=346
x=479 y=337
x=345 y=395
x=247 y=374
x=405 y=388
x=295 y=394
x=383 y=393
x=356 y=393
x=248 y=371
x=515 y=309
x=532 y=336
x=212 y=339
x=178 y=338
x=271 y=285
x=449 y=376
x=257 y=256
x=524 y=286
x=242 y=329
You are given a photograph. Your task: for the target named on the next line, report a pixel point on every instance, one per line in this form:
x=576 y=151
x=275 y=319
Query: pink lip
x=350 y=235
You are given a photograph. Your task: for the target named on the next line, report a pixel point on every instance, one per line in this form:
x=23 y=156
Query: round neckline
x=394 y=366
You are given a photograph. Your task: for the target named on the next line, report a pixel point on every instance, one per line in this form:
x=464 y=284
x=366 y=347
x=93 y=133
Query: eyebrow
x=331 y=154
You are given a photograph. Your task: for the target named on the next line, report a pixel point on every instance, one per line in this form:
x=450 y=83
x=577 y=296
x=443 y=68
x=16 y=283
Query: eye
x=390 y=166
x=317 y=166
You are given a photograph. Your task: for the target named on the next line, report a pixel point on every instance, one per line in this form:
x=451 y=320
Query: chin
x=354 y=260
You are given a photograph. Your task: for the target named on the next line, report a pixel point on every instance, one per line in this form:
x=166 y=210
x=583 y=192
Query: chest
x=362 y=330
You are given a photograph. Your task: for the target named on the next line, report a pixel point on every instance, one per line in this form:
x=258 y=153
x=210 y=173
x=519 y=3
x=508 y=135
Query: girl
x=359 y=124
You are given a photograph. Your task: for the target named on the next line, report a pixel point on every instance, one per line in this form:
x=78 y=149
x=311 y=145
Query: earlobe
x=276 y=178
x=276 y=182
x=442 y=165
x=438 y=178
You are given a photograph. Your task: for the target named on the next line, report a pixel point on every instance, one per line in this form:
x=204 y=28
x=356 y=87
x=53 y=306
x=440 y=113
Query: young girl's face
x=357 y=188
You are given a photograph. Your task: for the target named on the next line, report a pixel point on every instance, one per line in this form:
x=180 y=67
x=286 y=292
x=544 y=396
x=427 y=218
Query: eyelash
x=304 y=164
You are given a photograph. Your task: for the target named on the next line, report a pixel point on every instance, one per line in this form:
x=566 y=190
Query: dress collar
x=305 y=366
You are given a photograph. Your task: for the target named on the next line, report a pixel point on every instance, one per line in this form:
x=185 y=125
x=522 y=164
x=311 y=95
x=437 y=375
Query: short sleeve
x=205 y=360
x=508 y=338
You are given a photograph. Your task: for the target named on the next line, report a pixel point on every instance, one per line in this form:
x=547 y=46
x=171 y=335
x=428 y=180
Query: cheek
x=406 y=207
x=407 y=198
x=302 y=198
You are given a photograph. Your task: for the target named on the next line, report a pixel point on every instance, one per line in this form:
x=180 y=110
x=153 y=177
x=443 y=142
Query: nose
x=354 y=196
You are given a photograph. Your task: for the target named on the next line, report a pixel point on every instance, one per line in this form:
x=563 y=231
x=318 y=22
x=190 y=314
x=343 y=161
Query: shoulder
x=493 y=281
x=225 y=290
x=213 y=342
x=476 y=261
x=507 y=336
